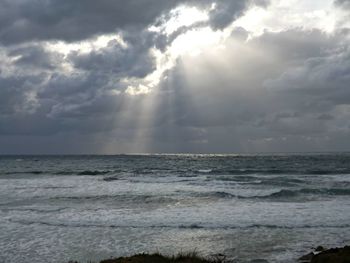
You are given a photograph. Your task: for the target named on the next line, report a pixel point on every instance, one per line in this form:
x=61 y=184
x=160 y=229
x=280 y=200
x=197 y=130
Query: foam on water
x=247 y=207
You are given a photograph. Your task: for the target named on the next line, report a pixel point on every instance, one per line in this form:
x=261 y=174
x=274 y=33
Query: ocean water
x=248 y=207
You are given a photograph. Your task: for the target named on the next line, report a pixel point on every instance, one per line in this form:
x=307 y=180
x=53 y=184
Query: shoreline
x=319 y=255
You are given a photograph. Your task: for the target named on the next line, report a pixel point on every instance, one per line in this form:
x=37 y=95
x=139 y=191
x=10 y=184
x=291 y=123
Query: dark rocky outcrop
x=320 y=249
x=321 y=255
x=333 y=255
x=157 y=258
x=307 y=258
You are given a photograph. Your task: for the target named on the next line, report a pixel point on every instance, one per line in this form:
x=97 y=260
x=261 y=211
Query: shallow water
x=60 y=208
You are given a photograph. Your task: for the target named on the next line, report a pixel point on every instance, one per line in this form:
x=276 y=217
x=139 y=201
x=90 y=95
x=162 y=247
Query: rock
x=259 y=261
x=157 y=258
x=334 y=255
x=320 y=249
x=307 y=257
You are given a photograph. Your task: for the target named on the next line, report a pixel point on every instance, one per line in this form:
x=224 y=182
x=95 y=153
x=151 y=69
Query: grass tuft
x=189 y=257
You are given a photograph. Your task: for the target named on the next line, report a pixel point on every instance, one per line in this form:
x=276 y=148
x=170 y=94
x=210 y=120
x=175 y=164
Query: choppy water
x=59 y=208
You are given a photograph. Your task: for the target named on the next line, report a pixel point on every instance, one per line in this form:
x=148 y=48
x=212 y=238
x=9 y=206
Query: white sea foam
x=68 y=215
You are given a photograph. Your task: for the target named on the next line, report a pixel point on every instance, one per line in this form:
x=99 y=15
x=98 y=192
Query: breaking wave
x=284 y=193
x=171 y=226
x=88 y=172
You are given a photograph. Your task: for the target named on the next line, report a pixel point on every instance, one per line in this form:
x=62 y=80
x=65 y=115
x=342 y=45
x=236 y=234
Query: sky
x=174 y=76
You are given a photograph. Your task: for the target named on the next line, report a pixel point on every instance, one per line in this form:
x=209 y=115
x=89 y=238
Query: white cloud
x=283 y=15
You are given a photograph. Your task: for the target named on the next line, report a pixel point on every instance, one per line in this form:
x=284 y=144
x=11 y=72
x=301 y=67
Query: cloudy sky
x=201 y=76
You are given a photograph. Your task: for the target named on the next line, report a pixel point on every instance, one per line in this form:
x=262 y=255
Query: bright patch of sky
x=181 y=17
x=286 y=14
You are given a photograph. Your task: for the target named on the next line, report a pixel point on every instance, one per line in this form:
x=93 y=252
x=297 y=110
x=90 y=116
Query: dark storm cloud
x=131 y=61
x=34 y=81
x=296 y=95
x=299 y=77
x=344 y=3
x=281 y=91
x=24 y=20
x=39 y=97
x=227 y=11
x=35 y=56
x=15 y=93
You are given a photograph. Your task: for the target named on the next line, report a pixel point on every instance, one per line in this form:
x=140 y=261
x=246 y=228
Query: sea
x=251 y=208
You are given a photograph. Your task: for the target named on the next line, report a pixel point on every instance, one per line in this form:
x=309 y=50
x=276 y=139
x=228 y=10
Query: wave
x=282 y=194
x=147 y=198
x=222 y=195
x=155 y=170
x=173 y=226
x=86 y=172
x=35 y=210
x=93 y=197
x=284 y=182
x=65 y=172
x=24 y=172
x=204 y=171
x=111 y=179
x=91 y=172
x=43 y=187
x=36 y=172
x=264 y=171
x=305 y=191
x=246 y=171
x=248 y=179
x=242 y=173
x=135 y=199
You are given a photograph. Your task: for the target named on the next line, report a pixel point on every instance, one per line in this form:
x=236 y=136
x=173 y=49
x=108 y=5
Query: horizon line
x=169 y=154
